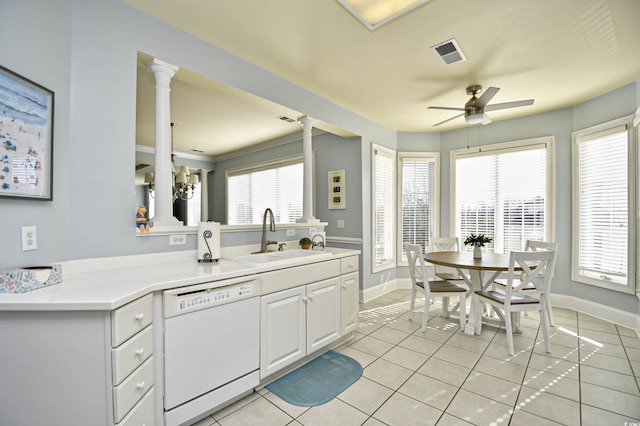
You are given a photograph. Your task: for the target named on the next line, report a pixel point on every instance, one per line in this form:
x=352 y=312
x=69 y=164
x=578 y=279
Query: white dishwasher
x=211 y=346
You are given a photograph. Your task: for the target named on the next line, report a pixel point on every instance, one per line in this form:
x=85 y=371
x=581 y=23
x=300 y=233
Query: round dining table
x=473 y=271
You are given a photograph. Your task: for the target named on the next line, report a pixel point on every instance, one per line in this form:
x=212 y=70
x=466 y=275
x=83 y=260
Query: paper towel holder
x=208 y=252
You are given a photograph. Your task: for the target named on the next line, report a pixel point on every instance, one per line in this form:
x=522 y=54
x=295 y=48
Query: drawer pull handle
x=140 y=352
x=344 y=286
x=140 y=385
x=139 y=317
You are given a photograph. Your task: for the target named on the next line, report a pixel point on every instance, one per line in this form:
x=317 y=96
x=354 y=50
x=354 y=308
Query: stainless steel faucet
x=272 y=228
x=317 y=244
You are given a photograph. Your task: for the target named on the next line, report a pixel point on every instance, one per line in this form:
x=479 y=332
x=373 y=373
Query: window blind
x=417 y=200
x=502 y=194
x=251 y=192
x=383 y=200
x=603 y=205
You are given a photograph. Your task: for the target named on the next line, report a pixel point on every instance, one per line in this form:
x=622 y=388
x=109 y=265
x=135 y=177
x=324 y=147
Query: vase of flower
x=477 y=241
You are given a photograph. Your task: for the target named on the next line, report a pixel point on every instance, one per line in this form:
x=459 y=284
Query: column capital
x=158 y=66
x=306 y=121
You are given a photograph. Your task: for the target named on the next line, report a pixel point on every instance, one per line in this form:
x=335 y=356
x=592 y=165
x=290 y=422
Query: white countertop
x=106 y=284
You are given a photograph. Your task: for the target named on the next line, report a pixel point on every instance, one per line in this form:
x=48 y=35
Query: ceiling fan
x=475 y=108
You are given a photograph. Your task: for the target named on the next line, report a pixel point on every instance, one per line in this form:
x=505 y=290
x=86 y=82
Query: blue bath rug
x=318 y=381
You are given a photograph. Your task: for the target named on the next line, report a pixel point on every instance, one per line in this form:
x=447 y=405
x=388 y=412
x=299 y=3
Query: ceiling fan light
x=474 y=118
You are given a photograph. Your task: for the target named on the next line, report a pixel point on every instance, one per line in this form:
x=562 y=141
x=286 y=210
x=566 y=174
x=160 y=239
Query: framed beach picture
x=26 y=138
x=337 y=188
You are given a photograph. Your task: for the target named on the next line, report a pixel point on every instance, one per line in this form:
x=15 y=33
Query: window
x=193 y=207
x=418 y=199
x=383 y=208
x=277 y=185
x=603 y=206
x=504 y=192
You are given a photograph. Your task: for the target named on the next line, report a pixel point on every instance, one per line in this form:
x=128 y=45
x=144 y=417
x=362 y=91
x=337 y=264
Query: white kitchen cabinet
x=78 y=367
x=296 y=322
x=349 y=302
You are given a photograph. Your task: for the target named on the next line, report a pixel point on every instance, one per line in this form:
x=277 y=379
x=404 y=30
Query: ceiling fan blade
x=486 y=97
x=505 y=105
x=448 y=119
x=447 y=108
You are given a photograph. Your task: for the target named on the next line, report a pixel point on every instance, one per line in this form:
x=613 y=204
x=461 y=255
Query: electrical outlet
x=291 y=232
x=340 y=224
x=29 y=240
x=177 y=240
x=381 y=278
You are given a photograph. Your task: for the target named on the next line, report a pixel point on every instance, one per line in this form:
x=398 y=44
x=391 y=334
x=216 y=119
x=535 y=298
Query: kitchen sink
x=279 y=256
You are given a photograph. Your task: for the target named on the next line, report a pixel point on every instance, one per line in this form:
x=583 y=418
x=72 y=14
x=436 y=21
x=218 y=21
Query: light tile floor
x=445 y=377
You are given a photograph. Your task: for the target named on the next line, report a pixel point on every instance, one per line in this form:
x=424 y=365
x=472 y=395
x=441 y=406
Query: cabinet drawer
x=348 y=264
x=129 y=392
x=128 y=356
x=141 y=414
x=299 y=275
x=130 y=319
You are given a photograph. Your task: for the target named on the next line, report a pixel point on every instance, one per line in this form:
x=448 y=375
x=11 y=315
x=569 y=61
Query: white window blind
x=603 y=205
x=277 y=186
x=418 y=200
x=503 y=194
x=193 y=207
x=383 y=207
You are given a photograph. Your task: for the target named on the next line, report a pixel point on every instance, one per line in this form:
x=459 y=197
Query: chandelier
x=184 y=183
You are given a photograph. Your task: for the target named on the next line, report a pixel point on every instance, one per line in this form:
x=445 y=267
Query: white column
x=307 y=201
x=163 y=180
x=204 y=195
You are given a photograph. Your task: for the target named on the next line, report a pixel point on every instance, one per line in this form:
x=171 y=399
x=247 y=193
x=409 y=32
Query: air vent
x=449 y=52
x=287 y=119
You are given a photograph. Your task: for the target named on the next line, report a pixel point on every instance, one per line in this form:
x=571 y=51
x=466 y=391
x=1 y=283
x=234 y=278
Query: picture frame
x=26 y=138
x=337 y=189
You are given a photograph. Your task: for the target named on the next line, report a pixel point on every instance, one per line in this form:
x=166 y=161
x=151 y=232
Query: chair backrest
x=533 y=245
x=444 y=244
x=417 y=268
x=535 y=265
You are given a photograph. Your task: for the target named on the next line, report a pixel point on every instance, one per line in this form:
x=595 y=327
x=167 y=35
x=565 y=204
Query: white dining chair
x=420 y=281
x=536 y=267
x=533 y=245
x=445 y=244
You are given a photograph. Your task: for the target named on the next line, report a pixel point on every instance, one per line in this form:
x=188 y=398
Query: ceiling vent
x=449 y=52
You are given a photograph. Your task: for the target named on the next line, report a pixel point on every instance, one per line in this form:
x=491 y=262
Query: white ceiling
x=559 y=52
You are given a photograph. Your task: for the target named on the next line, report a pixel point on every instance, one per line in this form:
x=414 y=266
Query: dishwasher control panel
x=202 y=296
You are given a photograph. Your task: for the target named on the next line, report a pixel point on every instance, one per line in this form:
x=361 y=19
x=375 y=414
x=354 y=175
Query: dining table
x=477 y=273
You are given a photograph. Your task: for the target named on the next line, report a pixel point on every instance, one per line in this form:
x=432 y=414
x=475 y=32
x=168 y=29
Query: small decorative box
x=30 y=278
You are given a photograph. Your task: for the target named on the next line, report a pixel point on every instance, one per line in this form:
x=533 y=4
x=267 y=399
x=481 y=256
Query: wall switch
x=177 y=240
x=29 y=240
x=340 y=224
x=291 y=232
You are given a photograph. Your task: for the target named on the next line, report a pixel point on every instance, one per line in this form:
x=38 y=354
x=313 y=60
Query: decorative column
x=163 y=179
x=204 y=195
x=307 y=201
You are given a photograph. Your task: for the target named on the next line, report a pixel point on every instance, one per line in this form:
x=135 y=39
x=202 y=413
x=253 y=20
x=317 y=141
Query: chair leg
x=509 y=329
x=463 y=311
x=550 y=313
x=425 y=316
x=478 y=314
x=545 y=328
x=412 y=305
x=445 y=307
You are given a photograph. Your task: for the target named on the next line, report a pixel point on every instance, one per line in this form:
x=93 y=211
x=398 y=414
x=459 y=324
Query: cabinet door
x=323 y=313
x=349 y=302
x=282 y=329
